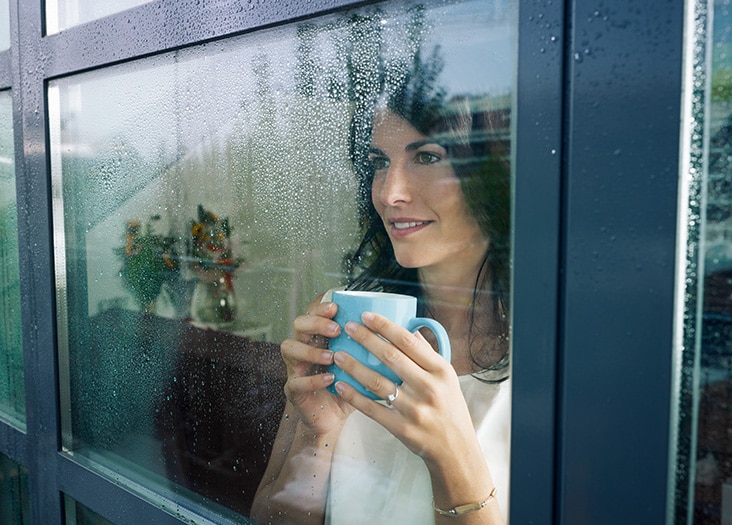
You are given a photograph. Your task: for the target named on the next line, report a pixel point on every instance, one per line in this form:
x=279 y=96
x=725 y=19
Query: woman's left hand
x=429 y=414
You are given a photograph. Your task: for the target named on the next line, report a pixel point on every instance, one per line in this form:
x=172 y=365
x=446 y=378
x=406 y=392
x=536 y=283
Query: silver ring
x=392 y=397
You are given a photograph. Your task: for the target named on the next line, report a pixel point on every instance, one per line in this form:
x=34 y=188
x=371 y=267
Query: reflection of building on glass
x=434 y=193
x=713 y=472
x=12 y=388
x=718 y=236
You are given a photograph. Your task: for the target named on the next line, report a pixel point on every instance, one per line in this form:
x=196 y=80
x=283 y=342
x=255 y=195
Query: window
x=103 y=139
x=15 y=494
x=206 y=195
x=702 y=457
x=12 y=390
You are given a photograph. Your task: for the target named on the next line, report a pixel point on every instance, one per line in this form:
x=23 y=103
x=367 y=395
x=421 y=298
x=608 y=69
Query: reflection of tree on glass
x=435 y=209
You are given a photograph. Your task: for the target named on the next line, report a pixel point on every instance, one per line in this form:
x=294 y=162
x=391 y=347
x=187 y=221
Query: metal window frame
x=622 y=109
x=595 y=218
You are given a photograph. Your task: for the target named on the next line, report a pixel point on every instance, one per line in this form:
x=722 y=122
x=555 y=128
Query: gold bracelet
x=465 y=509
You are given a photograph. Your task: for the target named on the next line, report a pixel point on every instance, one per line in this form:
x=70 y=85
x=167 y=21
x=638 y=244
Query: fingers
x=295 y=352
x=305 y=365
x=384 y=414
x=302 y=360
x=298 y=386
x=317 y=324
x=368 y=378
x=307 y=355
x=401 y=349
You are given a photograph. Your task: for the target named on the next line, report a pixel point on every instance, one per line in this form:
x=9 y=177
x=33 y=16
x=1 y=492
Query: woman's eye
x=427 y=157
x=379 y=163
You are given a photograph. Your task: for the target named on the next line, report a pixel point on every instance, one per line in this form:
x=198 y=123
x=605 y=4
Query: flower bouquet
x=148 y=261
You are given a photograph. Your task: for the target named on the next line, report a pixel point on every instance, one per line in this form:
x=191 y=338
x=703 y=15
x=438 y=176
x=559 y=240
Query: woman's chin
x=410 y=262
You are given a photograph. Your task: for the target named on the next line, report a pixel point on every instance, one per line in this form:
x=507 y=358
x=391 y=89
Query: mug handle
x=443 y=341
x=414 y=324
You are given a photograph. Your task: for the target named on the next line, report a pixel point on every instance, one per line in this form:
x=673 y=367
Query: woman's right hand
x=307 y=358
x=294 y=487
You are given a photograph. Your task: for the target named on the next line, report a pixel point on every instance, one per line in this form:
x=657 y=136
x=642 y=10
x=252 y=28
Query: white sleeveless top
x=374 y=478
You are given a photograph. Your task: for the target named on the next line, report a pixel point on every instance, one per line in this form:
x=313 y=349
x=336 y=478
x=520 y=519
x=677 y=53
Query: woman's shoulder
x=489 y=403
x=488 y=376
x=327 y=296
x=477 y=388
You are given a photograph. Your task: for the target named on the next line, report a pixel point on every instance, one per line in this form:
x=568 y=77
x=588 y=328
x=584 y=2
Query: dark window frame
x=598 y=157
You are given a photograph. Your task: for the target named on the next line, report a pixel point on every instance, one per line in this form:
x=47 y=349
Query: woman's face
x=418 y=197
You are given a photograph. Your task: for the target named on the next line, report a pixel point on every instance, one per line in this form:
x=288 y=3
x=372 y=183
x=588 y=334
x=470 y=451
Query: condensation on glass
x=63 y=14
x=700 y=488
x=201 y=199
x=14 y=493
x=12 y=389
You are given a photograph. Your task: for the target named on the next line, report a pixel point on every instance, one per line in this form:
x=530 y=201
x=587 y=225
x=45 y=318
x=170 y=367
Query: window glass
x=12 y=390
x=702 y=462
x=62 y=14
x=203 y=198
x=78 y=514
x=14 y=493
x=4 y=25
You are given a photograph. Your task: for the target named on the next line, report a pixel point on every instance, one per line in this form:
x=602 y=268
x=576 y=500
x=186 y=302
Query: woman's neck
x=453 y=297
x=449 y=288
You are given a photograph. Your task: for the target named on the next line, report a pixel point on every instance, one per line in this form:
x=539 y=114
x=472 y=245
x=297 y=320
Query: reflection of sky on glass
x=62 y=14
x=480 y=52
x=167 y=102
x=722 y=33
x=4 y=25
x=7 y=172
x=718 y=249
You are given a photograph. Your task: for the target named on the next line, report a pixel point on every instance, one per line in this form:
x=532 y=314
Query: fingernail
x=333 y=328
x=351 y=327
x=338 y=357
x=327 y=356
x=367 y=316
x=339 y=387
x=328 y=378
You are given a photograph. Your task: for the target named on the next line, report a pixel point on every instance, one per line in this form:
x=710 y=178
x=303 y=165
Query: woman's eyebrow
x=376 y=151
x=418 y=144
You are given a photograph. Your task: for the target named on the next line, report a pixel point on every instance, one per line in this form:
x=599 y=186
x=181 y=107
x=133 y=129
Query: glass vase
x=213 y=303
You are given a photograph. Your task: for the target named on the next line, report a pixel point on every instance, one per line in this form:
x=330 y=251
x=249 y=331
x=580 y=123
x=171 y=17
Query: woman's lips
x=403 y=227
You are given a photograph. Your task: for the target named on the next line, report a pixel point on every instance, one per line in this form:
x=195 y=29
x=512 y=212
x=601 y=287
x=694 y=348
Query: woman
x=434 y=198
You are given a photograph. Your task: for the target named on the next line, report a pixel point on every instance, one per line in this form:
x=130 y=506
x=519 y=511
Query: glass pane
x=62 y=14
x=14 y=493
x=703 y=456
x=12 y=389
x=204 y=197
x=78 y=514
x=4 y=25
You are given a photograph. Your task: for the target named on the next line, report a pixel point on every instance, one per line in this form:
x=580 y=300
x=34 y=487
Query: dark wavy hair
x=475 y=136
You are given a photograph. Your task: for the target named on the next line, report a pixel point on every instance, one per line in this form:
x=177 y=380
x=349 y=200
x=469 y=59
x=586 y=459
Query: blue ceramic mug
x=401 y=309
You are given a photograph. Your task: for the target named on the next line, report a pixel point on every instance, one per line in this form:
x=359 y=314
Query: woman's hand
x=430 y=409
x=306 y=358
x=294 y=487
x=429 y=414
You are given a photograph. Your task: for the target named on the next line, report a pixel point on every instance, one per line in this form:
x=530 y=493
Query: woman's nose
x=395 y=186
